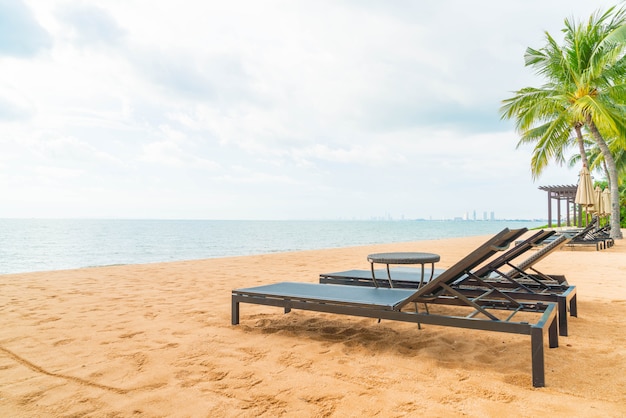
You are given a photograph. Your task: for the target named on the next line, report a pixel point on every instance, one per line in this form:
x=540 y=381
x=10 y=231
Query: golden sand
x=156 y=340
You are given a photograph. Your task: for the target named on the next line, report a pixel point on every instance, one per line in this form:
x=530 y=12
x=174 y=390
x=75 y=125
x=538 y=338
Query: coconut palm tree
x=585 y=89
x=543 y=117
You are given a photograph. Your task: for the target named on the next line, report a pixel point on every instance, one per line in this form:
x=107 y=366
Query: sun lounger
x=518 y=283
x=525 y=282
x=596 y=236
x=409 y=277
x=485 y=312
x=605 y=234
x=574 y=233
x=590 y=236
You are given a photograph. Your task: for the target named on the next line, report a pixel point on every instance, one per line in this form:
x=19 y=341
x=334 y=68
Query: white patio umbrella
x=599 y=203
x=606 y=201
x=584 y=193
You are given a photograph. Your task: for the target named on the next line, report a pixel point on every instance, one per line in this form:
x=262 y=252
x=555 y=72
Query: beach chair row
x=591 y=236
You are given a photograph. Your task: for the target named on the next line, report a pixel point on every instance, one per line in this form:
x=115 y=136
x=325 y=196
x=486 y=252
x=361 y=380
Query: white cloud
x=270 y=109
x=89 y=25
x=20 y=33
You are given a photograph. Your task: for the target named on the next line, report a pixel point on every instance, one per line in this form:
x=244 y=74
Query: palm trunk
x=616 y=232
x=581 y=144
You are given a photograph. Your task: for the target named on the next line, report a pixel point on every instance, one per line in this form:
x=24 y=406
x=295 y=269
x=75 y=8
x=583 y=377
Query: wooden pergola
x=567 y=194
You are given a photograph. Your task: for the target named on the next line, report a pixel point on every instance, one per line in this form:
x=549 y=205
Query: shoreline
x=155 y=340
x=45 y=245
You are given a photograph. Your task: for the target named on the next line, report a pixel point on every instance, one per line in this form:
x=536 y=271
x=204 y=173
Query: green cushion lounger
x=388 y=303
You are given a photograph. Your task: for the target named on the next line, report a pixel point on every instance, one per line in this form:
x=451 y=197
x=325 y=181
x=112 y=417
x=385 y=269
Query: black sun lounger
x=408 y=278
x=485 y=313
x=525 y=282
x=595 y=236
x=517 y=283
x=591 y=235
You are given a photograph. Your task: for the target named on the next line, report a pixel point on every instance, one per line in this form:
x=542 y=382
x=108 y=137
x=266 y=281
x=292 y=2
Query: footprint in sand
x=150 y=315
x=130 y=334
x=292 y=360
x=63 y=342
x=169 y=345
x=518 y=379
x=139 y=359
x=325 y=405
x=46 y=320
x=500 y=397
x=264 y=405
x=30 y=398
x=253 y=353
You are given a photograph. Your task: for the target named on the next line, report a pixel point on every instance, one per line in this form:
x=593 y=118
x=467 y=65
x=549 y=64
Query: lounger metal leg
x=235 y=311
x=373 y=275
x=389 y=276
x=419 y=325
x=573 y=306
x=536 y=342
x=553 y=335
x=562 y=308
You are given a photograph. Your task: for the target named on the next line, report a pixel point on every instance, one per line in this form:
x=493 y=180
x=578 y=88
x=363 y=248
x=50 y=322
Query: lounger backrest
x=587 y=230
x=499 y=242
x=514 y=253
x=539 y=255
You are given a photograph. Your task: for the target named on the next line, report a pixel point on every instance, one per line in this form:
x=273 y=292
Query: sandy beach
x=157 y=341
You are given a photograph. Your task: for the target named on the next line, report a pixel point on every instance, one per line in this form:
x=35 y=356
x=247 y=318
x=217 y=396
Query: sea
x=29 y=245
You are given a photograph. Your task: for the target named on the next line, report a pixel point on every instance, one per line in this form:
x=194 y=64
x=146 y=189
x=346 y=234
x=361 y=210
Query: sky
x=247 y=109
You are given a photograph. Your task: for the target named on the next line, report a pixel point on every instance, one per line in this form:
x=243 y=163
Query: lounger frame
x=545 y=324
x=516 y=284
x=391 y=304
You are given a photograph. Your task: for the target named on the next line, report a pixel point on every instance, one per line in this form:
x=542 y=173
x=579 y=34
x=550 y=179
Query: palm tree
x=543 y=117
x=585 y=88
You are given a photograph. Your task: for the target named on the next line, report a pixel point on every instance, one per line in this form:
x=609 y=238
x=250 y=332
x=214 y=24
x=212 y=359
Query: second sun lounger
x=517 y=283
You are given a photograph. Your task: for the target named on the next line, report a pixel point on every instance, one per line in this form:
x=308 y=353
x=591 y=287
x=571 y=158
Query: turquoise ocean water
x=40 y=245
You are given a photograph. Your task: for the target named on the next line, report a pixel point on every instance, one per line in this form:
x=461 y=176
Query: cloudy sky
x=347 y=109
